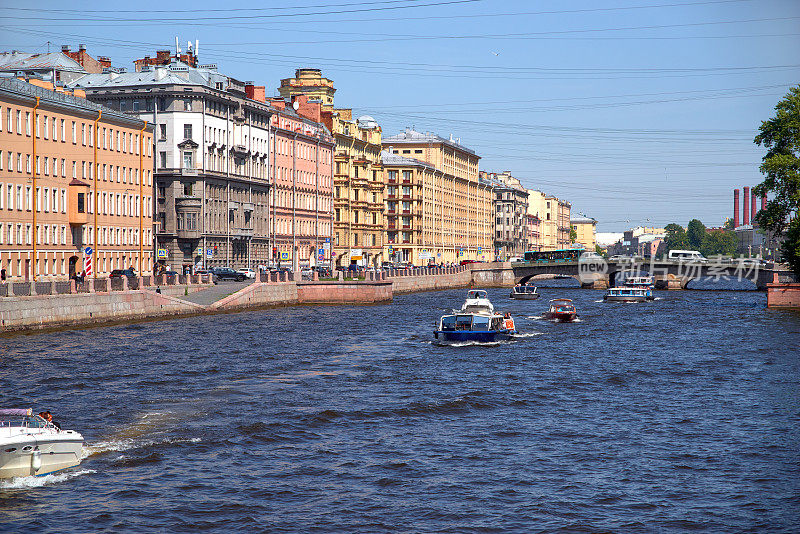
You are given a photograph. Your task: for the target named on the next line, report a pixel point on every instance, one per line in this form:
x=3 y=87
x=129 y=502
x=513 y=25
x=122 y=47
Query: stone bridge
x=666 y=274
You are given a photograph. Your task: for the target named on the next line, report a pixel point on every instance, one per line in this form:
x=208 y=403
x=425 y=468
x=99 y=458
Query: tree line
x=698 y=237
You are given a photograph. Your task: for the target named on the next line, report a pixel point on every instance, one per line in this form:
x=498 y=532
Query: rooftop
x=22 y=61
x=174 y=73
x=413 y=136
x=387 y=158
x=582 y=220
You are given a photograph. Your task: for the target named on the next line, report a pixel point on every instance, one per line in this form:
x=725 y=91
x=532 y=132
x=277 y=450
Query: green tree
x=675 y=237
x=719 y=242
x=573 y=235
x=601 y=251
x=780 y=135
x=695 y=234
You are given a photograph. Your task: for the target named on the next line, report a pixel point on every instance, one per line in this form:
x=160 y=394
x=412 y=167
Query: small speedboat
x=476 y=321
x=627 y=294
x=32 y=446
x=561 y=310
x=524 y=292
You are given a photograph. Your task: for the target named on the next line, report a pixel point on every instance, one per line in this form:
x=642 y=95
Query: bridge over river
x=601 y=274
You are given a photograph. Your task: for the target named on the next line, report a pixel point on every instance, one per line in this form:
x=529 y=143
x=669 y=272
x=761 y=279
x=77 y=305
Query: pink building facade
x=301 y=154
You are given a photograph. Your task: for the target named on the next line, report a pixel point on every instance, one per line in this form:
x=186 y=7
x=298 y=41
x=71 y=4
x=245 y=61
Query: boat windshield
x=480 y=322
x=449 y=322
x=25 y=421
x=463 y=322
x=525 y=289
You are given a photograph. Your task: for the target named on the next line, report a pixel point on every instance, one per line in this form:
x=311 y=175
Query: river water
x=677 y=415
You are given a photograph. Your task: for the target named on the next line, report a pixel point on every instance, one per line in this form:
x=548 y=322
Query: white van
x=687 y=256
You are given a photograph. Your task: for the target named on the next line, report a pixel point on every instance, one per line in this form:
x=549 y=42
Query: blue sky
x=637 y=111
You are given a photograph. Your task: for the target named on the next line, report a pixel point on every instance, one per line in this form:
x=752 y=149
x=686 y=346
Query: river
x=678 y=415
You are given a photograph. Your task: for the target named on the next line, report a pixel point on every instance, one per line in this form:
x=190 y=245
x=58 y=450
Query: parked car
x=249 y=273
x=226 y=273
x=467 y=262
x=119 y=273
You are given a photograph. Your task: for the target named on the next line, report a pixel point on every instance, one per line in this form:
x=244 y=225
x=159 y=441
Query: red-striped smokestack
x=746 y=210
x=753 y=207
x=763 y=201
x=735 y=208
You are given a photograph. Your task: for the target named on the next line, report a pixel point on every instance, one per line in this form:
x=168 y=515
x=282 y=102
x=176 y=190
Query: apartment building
x=76 y=185
x=358 y=181
x=219 y=149
x=460 y=224
x=511 y=221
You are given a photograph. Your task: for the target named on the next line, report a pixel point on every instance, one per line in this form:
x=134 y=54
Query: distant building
x=466 y=224
x=553 y=216
x=511 y=209
x=56 y=199
x=586 y=229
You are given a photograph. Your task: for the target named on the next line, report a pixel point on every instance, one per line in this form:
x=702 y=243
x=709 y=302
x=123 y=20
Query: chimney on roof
x=65 y=48
x=81 y=47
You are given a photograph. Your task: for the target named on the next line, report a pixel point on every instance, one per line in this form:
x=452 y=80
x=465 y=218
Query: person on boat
x=47 y=416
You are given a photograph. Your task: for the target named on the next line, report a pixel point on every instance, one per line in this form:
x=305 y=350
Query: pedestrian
x=2 y=275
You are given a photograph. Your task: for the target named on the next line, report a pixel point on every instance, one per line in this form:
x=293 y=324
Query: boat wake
x=138 y=435
x=528 y=334
x=120 y=445
x=38 y=482
x=535 y=317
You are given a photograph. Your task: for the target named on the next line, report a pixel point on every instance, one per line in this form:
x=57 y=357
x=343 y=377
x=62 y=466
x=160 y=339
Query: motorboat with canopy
x=30 y=445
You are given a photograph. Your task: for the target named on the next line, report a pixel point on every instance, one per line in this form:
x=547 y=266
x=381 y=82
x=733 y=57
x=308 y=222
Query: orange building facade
x=57 y=149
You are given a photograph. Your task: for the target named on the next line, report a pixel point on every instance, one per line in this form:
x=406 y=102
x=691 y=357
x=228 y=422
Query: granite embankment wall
x=258 y=294
x=72 y=309
x=425 y=282
x=336 y=292
x=783 y=295
x=51 y=311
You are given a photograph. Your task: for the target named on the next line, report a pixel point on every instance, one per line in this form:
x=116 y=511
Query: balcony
x=188 y=172
x=242 y=232
x=188 y=208
x=248 y=206
x=239 y=151
x=233 y=205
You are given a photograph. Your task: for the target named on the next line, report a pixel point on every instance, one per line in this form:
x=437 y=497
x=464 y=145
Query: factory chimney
x=735 y=208
x=746 y=210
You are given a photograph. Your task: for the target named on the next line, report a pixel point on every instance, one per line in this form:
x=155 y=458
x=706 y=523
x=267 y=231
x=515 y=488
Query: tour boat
x=627 y=294
x=476 y=321
x=561 y=310
x=32 y=446
x=642 y=282
x=524 y=292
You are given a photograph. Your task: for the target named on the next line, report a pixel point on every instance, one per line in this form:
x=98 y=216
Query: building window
x=187 y=131
x=163 y=159
x=162 y=130
x=187 y=160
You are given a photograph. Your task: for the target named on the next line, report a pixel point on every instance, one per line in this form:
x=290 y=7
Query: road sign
x=284 y=255
x=321 y=254
x=161 y=253
x=391 y=250
x=209 y=253
x=88 y=251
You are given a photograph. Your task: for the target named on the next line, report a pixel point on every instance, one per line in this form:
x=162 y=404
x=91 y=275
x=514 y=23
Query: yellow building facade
x=586 y=232
x=358 y=181
x=438 y=209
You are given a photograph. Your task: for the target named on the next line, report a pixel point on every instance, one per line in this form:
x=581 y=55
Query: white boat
x=627 y=294
x=32 y=446
x=476 y=321
x=524 y=292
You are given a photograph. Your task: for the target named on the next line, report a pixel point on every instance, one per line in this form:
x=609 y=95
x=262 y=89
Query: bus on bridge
x=563 y=255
